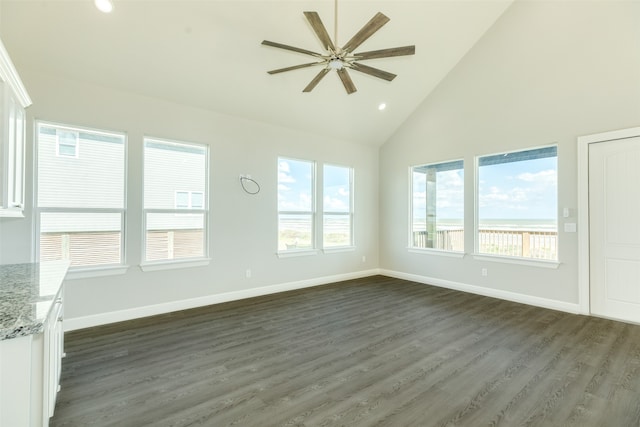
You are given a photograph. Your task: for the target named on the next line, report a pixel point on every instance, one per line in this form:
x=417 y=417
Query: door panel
x=614 y=228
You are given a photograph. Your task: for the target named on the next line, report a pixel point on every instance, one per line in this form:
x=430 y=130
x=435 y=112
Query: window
x=175 y=219
x=189 y=200
x=337 y=205
x=517 y=204
x=66 y=143
x=80 y=205
x=296 y=205
x=437 y=206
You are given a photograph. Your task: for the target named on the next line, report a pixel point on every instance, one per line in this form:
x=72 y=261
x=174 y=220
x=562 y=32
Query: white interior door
x=614 y=228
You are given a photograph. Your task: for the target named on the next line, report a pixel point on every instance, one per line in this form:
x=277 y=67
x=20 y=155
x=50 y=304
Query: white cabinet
x=52 y=358
x=31 y=341
x=30 y=368
x=13 y=101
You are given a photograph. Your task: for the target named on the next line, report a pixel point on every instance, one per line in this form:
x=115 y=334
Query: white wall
x=243 y=228
x=546 y=72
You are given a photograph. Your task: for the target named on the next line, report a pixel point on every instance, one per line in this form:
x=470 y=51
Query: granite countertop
x=27 y=293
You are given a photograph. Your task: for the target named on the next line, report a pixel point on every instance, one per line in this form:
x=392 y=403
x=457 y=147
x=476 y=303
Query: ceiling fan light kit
x=342 y=59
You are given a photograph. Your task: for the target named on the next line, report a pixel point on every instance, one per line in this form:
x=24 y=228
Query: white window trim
x=292 y=253
x=438 y=252
x=174 y=263
x=532 y=262
x=476 y=219
x=102 y=271
x=82 y=271
x=338 y=249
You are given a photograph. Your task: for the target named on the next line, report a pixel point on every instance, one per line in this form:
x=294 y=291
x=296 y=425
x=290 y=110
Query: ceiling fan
x=343 y=58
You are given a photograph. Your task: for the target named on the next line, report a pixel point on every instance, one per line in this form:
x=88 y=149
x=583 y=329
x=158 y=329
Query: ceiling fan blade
x=316 y=80
x=287 y=47
x=295 y=67
x=375 y=72
x=320 y=30
x=346 y=80
x=367 y=31
x=386 y=53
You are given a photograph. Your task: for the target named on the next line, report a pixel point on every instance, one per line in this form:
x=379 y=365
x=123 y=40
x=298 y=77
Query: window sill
x=437 y=252
x=175 y=264
x=338 y=249
x=520 y=261
x=84 y=273
x=296 y=253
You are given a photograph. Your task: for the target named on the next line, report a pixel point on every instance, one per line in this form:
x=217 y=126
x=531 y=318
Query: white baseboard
x=488 y=292
x=75 y=323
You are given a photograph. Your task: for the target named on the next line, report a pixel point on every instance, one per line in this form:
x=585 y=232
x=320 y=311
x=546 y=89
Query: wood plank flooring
x=367 y=352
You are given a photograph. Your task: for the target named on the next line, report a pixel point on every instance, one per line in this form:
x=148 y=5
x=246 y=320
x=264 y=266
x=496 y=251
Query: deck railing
x=518 y=243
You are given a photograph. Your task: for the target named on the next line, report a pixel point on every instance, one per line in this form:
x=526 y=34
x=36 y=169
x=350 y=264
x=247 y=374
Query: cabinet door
x=10 y=138
x=52 y=368
x=17 y=200
x=12 y=155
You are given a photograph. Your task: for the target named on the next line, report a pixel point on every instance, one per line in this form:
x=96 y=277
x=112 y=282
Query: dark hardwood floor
x=368 y=352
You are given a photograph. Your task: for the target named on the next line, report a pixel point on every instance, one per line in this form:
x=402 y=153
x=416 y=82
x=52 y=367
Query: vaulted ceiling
x=208 y=54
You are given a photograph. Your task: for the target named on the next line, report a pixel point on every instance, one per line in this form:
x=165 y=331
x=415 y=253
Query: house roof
x=208 y=54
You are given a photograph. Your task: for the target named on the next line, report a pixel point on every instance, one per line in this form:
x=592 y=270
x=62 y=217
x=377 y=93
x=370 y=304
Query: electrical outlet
x=248 y=273
x=364 y=258
x=484 y=272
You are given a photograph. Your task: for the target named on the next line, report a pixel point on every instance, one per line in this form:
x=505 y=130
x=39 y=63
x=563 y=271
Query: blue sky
x=509 y=191
x=295 y=188
x=516 y=190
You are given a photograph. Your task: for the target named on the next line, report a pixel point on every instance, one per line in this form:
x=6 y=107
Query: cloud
x=283 y=166
x=335 y=204
x=284 y=173
x=548 y=176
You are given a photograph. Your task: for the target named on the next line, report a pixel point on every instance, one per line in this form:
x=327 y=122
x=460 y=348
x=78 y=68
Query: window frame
x=410 y=238
x=76 y=148
x=76 y=272
x=154 y=265
x=313 y=213
x=350 y=213
x=540 y=262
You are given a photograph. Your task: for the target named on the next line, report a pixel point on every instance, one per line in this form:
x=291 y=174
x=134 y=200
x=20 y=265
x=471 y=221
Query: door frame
x=584 y=297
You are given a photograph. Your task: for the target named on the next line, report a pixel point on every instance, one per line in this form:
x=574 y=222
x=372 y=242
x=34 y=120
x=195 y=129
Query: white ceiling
x=208 y=54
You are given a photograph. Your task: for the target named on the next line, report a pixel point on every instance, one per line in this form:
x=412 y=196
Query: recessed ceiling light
x=105 y=6
x=382 y=106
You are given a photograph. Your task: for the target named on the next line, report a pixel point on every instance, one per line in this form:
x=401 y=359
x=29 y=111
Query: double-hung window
x=175 y=200
x=437 y=206
x=517 y=204
x=296 y=205
x=80 y=195
x=337 y=205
